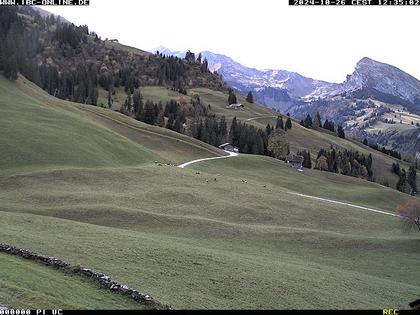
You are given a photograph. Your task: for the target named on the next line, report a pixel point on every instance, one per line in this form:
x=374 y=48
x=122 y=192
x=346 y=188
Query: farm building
x=235 y=106
x=295 y=160
x=228 y=147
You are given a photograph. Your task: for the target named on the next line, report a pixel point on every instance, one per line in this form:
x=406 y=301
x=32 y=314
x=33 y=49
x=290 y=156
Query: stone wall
x=100 y=278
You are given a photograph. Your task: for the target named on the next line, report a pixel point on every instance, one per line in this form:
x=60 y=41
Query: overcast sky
x=319 y=42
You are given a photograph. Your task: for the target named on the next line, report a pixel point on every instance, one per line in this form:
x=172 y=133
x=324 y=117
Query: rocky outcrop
x=102 y=279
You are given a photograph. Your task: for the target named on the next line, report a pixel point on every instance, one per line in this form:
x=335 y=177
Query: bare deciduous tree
x=410 y=215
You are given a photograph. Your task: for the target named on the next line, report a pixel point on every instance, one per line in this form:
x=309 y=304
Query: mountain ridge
x=297 y=85
x=367 y=103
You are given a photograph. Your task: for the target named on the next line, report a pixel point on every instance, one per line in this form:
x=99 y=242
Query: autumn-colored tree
x=410 y=215
x=278 y=144
x=321 y=163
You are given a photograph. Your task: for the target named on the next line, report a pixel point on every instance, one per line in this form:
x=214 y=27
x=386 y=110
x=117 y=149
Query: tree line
x=316 y=123
x=71 y=63
x=393 y=153
x=346 y=162
x=407 y=181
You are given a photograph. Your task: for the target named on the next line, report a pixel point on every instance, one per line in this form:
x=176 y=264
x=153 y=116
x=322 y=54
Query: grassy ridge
x=167 y=145
x=39 y=134
x=25 y=284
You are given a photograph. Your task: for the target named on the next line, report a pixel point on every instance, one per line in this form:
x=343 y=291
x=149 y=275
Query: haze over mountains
x=377 y=101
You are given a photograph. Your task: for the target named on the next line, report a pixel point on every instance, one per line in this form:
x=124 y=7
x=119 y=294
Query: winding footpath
x=258 y=117
x=233 y=154
x=347 y=204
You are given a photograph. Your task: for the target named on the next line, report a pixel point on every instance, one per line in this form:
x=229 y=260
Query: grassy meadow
x=223 y=234
x=25 y=284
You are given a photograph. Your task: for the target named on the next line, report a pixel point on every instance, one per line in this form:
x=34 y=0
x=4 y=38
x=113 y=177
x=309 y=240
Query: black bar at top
x=44 y=2
x=354 y=2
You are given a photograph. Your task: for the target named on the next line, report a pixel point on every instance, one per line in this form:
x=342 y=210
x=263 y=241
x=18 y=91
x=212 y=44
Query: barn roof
x=294 y=158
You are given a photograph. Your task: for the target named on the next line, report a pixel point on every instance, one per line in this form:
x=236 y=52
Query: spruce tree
x=317 y=121
x=340 y=132
x=411 y=179
x=204 y=66
x=232 y=97
x=149 y=113
x=288 y=124
x=308 y=121
x=279 y=123
x=250 y=97
x=234 y=132
x=268 y=129
x=177 y=125
x=137 y=104
x=170 y=122
x=160 y=120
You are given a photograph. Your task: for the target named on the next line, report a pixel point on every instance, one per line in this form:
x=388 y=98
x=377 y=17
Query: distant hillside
x=71 y=62
x=377 y=101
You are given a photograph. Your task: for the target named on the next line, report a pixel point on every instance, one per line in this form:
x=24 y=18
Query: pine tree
x=223 y=128
x=149 y=113
x=288 y=124
x=307 y=163
x=308 y=160
x=160 y=120
x=250 y=97
x=340 y=132
x=127 y=104
x=190 y=56
x=411 y=179
x=402 y=181
x=177 y=125
x=279 y=123
x=268 y=129
x=232 y=97
x=308 y=121
x=317 y=121
x=170 y=122
x=204 y=66
x=138 y=104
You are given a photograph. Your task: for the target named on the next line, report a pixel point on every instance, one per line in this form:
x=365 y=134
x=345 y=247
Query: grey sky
x=319 y=42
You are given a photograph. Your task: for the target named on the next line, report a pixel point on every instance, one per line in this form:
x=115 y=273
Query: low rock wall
x=100 y=278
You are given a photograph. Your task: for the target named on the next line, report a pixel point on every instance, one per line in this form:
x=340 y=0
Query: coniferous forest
x=70 y=62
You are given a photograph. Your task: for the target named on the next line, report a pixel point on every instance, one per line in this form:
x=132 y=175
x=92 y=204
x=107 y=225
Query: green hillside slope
x=25 y=284
x=219 y=234
x=38 y=132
